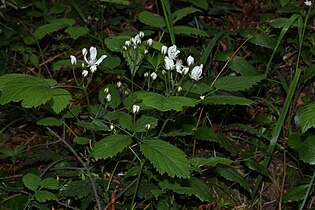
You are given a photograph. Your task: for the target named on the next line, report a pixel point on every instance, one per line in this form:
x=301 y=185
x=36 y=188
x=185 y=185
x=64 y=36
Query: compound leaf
x=31 y=181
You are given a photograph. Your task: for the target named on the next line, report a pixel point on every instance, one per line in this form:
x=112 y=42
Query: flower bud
x=147 y=126
x=127 y=43
x=73 y=60
x=153 y=76
x=85 y=73
x=164 y=50
x=179 y=88
x=108 y=97
x=135 y=109
x=119 y=84
x=84 y=51
x=190 y=60
x=141 y=34
x=106 y=90
x=202 y=97
x=150 y=42
x=146 y=74
x=111 y=127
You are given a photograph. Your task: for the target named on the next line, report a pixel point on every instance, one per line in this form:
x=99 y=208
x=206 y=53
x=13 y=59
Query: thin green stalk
x=168 y=19
x=308 y=191
x=287 y=104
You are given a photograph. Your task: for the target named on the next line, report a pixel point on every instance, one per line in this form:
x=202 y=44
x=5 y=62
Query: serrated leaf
x=49 y=121
x=54 y=26
x=77 y=31
x=140 y=124
x=163 y=103
x=189 y=31
x=295 y=194
x=78 y=189
x=231 y=175
x=125 y=120
x=81 y=140
x=166 y=158
x=306 y=149
x=94 y=125
x=307 y=117
x=110 y=146
x=242 y=66
x=237 y=83
x=32 y=91
x=151 y=19
x=180 y=13
x=263 y=41
x=227 y=100
x=31 y=181
x=43 y=196
x=200 y=189
x=50 y=183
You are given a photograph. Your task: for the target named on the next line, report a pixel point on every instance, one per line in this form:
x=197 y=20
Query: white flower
x=153 y=76
x=127 y=43
x=135 y=109
x=164 y=50
x=178 y=66
x=150 y=42
x=172 y=52
x=190 y=60
x=196 y=72
x=85 y=73
x=147 y=126
x=92 y=61
x=73 y=60
x=185 y=70
x=141 y=34
x=202 y=97
x=108 y=97
x=169 y=63
x=308 y=3
x=136 y=40
x=119 y=84
x=124 y=47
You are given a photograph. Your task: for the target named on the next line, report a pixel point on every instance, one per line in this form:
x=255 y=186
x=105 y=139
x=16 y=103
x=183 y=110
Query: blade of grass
x=168 y=19
x=79 y=11
x=308 y=191
x=280 y=122
x=211 y=44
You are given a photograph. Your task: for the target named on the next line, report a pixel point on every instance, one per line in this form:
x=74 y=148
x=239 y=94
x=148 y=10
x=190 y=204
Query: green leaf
x=242 y=66
x=112 y=90
x=207 y=134
x=50 y=121
x=263 y=41
x=237 y=83
x=78 y=189
x=209 y=162
x=254 y=165
x=151 y=19
x=122 y=2
x=81 y=140
x=180 y=13
x=50 y=183
x=227 y=100
x=306 y=149
x=166 y=158
x=140 y=124
x=203 y=4
x=54 y=26
x=31 y=181
x=110 y=146
x=115 y=43
x=307 y=118
x=295 y=194
x=43 y=196
x=77 y=31
x=231 y=175
x=200 y=189
x=32 y=91
x=94 y=125
x=189 y=31
x=280 y=23
x=125 y=120
x=163 y=103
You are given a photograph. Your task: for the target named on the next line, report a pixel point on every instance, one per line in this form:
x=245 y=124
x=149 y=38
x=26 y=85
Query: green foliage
x=237 y=83
x=305 y=148
x=166 y=158
x=307 y=118
x=32 y=91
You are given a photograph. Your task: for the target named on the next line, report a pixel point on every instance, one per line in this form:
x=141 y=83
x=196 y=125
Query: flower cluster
x=91 y=62
x=171 y=62
x=136 y=41
x=308 y=3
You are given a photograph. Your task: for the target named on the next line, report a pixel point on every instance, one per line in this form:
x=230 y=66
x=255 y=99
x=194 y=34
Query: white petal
x=100 y=60
x=93 y=69
x=85 y=73
x=73 y=60
x=93 y=53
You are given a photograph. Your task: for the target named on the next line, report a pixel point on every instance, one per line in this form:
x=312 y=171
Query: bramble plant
x=171 y=117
